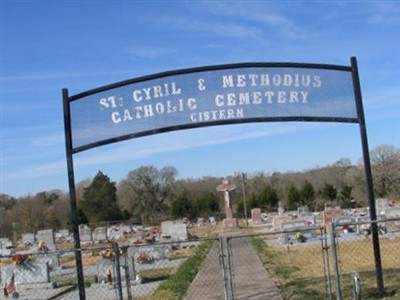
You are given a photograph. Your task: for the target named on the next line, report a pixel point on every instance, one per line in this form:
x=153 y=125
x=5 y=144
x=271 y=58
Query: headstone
x=63 y=235
x=280 y=208
x=295 y=224
x=291 y=228
x=381 y=205
x=302 y=209
x=392 y=212
x=126 y=229
x=28 y=239
x=85 y=233
x=114 y=232
x=100 y=234
x=200 y=222
x=212 y=220
x=345 y=223
x=51 y=259
x=5 y=243
x=177 y=231
x=156 y=252
x=37 y=273
x=166 y=229
x=256 y=216
x=329 y=214
x=46 y=236
x=278 y=220
x=310 y=218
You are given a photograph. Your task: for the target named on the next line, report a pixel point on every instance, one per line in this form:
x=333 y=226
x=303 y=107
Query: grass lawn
x=299 y=270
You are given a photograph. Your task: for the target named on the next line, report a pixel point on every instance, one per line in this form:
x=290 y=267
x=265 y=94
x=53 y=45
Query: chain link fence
x=313 y=262
x=356 y=274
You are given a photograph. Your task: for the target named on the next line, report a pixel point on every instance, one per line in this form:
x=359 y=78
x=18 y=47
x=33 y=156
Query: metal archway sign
x=209 y=96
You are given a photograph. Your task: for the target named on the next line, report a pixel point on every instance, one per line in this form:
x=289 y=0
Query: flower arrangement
x=20 y=259
x=24 y=261
x=109 y=254
x=144 y=258
x=300 y=237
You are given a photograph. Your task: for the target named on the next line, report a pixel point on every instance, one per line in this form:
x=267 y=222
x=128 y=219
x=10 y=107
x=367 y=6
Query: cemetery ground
x=297 y=269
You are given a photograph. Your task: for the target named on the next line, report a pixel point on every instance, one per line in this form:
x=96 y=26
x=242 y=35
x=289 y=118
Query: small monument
x=226 y=187
x=280 y=208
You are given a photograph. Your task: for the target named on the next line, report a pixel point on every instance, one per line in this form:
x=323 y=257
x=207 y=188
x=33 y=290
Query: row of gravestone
x=171 y=229
x=34 y=269
x=38 y=269
x=175 y=230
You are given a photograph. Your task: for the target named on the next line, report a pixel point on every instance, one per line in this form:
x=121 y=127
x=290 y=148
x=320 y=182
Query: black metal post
x=335 y=258
x=368 y=176
x=72 y=195
x=244 y=198
x=118 y=270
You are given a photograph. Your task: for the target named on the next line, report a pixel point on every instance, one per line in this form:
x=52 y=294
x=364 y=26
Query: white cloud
x=149 y=51
x=148 y=146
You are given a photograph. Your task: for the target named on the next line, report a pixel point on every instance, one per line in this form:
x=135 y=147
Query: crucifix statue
x=226 y=187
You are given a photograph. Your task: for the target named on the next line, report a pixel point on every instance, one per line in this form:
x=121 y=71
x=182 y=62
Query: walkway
x=250 y=280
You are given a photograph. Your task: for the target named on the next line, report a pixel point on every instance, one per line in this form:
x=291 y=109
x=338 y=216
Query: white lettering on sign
x=286 y=80
x=231 y=97
x=156 y=91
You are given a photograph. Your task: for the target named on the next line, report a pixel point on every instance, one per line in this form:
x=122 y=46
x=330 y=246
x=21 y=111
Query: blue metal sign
x=207 y=96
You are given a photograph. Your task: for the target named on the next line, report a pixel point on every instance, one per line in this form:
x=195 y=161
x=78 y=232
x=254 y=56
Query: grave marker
x=278 y=220
x=256 y=216
x=39 y=273
x=226 y=187
x=329 y=214
x=46 y=236
x=100 y=234
x=85 y=233
x=28 y=239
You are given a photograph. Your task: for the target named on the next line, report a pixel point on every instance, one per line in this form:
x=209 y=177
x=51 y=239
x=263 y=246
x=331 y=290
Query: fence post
x=223 y=267
x=127 y=275
x=230 y=268
x=355 y=278
x=325 y=256
x=118 y=270
x=336 y=264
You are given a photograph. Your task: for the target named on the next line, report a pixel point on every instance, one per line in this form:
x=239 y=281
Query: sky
x=80 y=45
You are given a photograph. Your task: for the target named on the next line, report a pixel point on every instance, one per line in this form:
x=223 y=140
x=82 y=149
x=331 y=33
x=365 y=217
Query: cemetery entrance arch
x=208 y=96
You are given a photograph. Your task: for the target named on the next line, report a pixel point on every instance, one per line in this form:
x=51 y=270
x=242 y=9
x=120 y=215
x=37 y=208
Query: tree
x=147 y=192
x=269 y=198
x=385 y=165
x=99 y=200
x=329 y=192
x=307 y=193
x=205 y=205
x=182 y=207
x=345 y=196
x=293 y=197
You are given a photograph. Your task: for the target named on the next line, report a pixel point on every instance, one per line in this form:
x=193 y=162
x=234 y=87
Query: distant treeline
x=149 y=195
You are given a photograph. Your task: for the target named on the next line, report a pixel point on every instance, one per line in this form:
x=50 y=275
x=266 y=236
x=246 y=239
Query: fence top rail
x=385 y=220
x=291 y=230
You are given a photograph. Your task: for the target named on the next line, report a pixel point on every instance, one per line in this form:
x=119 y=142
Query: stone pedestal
x=228 y=213
x=231 y=223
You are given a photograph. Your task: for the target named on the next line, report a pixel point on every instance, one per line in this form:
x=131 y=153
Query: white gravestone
x=46 y=236
x=85 y=233
x=100 y=234
x=38 y=273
